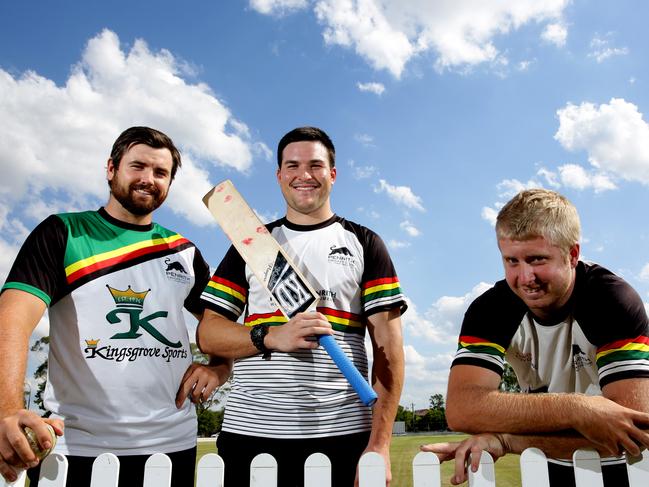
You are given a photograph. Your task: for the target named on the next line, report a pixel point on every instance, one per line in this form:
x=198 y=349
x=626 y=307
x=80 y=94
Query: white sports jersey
x=303 y=394
x=118 y=340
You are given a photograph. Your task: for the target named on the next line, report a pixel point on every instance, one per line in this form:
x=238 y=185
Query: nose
x=146 y=176
x=306 y=173
x=526 y=274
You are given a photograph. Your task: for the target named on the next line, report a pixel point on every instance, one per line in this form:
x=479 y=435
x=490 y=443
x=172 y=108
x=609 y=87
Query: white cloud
x=362 y=172
x=601 y=49
x=277 y=7
x=58 y=138
x=401 y=195
x=644 y=273
x=614 y=135
x=398 y=244
x=410 y=228
x=525 y=65
x=555 y=33
x=575 y=176
x=365 y=139
x=441 y=322
x=376 y=88
x=389 y=33
x=489 y=214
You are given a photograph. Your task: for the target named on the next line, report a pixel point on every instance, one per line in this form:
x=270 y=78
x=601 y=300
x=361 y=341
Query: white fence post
x=638 y=470
x=485 y=476
x=534 y=468
x=20 y=481
x=157 y=471
x=317 y=471
x=371 y=470
x=54 y=471
x=263 y=471
x=105 y=471
x=426 y=471
x=210 y=470
x=588 y=469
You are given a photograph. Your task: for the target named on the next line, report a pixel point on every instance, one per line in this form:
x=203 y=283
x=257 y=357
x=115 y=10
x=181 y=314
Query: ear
x=333 y=173
x=110 y=169
x=279 y=176
x=574 y=255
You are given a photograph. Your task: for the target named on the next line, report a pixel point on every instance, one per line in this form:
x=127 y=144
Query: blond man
x=575 y=334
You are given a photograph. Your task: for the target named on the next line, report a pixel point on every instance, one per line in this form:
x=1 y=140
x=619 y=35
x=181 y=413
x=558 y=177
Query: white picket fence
x=317 y=471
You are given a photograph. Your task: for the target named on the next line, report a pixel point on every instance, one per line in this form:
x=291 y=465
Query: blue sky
x=440 y=112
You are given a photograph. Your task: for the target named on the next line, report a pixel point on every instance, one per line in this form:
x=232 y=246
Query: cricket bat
x=275 y=270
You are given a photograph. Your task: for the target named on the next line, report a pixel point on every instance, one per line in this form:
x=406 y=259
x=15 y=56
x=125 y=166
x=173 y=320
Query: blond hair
x=540 y=213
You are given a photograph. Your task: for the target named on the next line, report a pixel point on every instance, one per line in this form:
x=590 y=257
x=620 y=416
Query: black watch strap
x=257 y=335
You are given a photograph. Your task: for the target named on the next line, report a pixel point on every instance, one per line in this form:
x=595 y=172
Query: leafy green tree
x=40 y=374
x=210 y=412
x=509 y=382
x=437 y=402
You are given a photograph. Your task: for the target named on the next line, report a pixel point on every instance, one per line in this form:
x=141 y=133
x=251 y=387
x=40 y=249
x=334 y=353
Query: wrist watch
x=257 y=335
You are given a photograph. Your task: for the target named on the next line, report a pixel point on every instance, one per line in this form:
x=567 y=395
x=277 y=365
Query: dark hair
x=301 y=134
x=147 y=136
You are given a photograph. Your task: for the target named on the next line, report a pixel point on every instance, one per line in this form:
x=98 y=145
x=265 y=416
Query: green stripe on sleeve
x=28 y=289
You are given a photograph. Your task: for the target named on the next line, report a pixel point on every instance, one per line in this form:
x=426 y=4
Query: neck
x=313 y=218
x=117 y=211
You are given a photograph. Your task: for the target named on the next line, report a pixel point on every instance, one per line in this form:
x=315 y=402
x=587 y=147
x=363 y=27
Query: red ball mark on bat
x=227 y=199
x=262 y=229
x=219 y=188
x=247 y=241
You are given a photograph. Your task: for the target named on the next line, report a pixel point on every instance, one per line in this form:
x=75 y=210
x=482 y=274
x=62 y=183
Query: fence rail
x=317 y=471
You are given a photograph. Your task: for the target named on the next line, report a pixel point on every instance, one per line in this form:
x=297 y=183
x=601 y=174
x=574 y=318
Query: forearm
x=219 y=337
x=477 y=410
x=387 y=380
x=19 y=314
x=13 y=363
x=554 y=445
x=475 y=405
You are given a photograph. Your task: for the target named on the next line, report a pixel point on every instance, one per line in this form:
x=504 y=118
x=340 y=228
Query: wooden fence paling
x=157 y=471
x=426 y=471
x=105 y=471
x=534 y=468
x=588 y=469
x=210 y=470
x=54 y=471
x=263 y=471
x=317 y=471
x=638 y=470
x=485 y=476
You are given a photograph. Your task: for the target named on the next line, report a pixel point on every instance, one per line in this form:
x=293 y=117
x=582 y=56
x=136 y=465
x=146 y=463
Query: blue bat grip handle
x=351 y=373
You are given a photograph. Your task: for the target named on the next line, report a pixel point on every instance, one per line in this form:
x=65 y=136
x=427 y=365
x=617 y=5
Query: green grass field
x=404 y=449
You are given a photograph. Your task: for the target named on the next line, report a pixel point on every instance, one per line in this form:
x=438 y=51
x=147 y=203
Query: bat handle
x=351 y=373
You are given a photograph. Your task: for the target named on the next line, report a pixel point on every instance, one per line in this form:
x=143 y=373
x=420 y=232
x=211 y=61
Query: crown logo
x=92 y=343
x=128 y=298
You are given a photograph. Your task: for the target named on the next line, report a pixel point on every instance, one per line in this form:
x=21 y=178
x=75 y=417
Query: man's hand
x=15 y=452
x=298 y=333
x=385 y=453
x=467 y=453
x=199 y=382
x=612 y=428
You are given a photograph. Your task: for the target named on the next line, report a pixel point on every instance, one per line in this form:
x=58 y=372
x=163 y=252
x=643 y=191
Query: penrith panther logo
x=175 y=271
x=174 y=266
x=341 y=256
x=339 y=250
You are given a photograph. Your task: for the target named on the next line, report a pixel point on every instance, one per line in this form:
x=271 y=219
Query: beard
x=134 y=203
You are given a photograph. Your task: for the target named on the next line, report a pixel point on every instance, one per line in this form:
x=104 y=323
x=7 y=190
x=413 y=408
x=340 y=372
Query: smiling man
x=288 y=398
x=576 y=336
x=115 y=283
